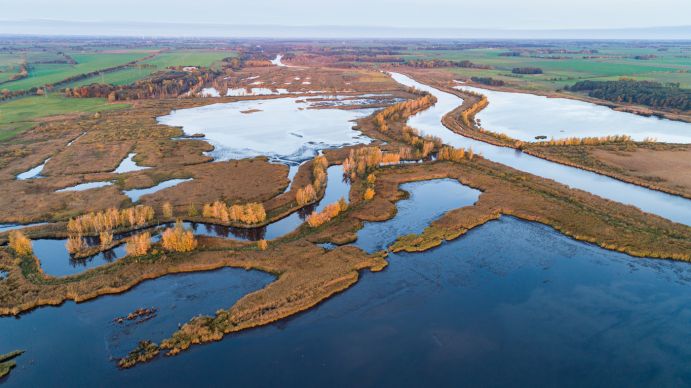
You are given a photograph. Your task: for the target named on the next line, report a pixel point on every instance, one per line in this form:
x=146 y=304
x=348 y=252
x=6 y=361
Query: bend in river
x=523 y=116
x=672 y=207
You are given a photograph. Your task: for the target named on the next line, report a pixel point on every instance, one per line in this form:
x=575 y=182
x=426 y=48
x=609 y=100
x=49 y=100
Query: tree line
x=649 y=93
x=435 y=63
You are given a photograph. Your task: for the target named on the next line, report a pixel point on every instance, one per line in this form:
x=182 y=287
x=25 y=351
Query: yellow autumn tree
x=178 y=239
x=19 y=243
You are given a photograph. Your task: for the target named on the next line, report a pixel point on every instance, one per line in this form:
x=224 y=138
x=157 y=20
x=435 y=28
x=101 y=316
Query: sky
x=457 y=14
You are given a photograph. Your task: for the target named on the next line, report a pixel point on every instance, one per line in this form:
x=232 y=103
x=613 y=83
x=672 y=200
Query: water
x=429 y=122
x=509 y=303
x=524 y=116
x=8 y=227
x=129 y=165
x=337 y=188
x=135 y=194
x=281 y=128
x=85 y=186
x=76 y=342
x=240 y=92
x=277 y=61
x=34 y=172
x=56 y=261
x=209 y=92
x=428 y=201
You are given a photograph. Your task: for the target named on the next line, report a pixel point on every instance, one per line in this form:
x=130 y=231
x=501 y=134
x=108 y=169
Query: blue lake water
x=509 y=303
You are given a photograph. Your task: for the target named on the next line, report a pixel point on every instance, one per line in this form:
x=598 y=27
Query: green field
x=18 y=115
x=161 y=61
x=673 y=65
x=42 y=74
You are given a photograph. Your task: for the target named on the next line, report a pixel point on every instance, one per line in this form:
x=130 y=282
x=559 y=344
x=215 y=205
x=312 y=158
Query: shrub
x=306 y=195
x=75 y=244
x=262 y=245
x=138 y=245
x=192 y=210
x=330 y=212
x=455 y=154
x=19 y=243
x=178 y=239
x=167 y=210
x=106 y=238
x=369 y=194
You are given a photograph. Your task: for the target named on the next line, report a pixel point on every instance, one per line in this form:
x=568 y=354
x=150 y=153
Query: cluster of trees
x=403 y=110
x=369 y=191
x=364 y=160
x=590 y=140
x=435 y=63
x=107 y=220
x=420 y=147
x=645 y=57
x=526 y=70
x=468 y=115
x=22 y=73
x=455 y=154
x=488 y=81
x=178 y=239
x=139 y=244
x=19 y=243
x=319 y=166
x=169 y=84
x=649 y=93
x=249 y=213
x=330 y=212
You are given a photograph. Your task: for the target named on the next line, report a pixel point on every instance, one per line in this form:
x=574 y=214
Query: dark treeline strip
x=7 y=95
x=167 y=84
x=435 y=63
x=649 y=93
x=488 y=81
x=526 y=70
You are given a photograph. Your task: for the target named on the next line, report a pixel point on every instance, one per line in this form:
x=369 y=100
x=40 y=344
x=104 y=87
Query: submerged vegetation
x=7 y=362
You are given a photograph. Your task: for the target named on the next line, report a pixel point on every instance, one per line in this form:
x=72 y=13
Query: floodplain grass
x=50 y=73
x=668 y=66
x=19 y=115
x=157 y=63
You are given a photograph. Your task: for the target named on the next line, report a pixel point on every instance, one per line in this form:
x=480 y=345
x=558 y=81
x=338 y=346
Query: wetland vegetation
x=336 y=173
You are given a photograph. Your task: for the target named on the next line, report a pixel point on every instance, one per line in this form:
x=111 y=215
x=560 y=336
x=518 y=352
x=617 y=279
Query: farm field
x=672 y=65
x=21 y=114
x=44 y=74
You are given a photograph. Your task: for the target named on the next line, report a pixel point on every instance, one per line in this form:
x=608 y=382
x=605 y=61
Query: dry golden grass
x=19 y=243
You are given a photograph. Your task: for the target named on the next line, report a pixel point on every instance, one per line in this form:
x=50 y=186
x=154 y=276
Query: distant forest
x=649 y=93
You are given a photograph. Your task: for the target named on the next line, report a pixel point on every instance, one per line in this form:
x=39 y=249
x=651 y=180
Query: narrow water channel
x=509 y=303
x=429 y=122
